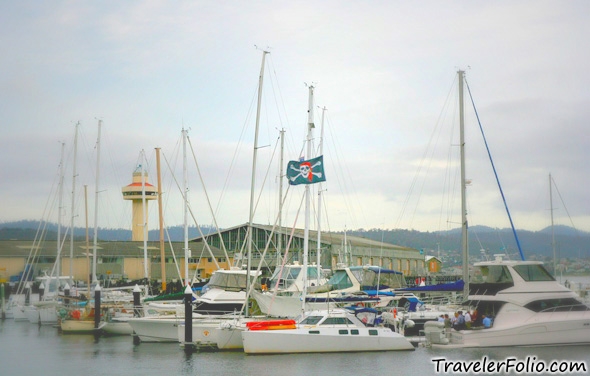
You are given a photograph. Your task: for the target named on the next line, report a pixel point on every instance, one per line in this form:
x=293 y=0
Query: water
x=27 y=349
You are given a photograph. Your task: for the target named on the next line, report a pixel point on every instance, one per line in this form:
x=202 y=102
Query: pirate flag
x=306 y=172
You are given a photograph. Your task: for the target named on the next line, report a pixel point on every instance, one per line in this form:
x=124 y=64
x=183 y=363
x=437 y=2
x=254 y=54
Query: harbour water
x=27 y=349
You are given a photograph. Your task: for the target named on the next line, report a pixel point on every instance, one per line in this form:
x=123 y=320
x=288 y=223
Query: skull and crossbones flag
x=306 y=172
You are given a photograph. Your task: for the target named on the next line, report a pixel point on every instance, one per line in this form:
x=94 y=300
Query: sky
x=384 y=78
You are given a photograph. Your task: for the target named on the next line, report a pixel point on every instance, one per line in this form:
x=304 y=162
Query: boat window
x=312 y=272
x=491 y=274
x=557 y=305
x=373 y=332
x=354 y=332
x=375 y=278
x=311 y=320
x=314 y=332
x=343 y=331
x=340 y=280
x=337 y=321
x=228 y=281
x=533 y=273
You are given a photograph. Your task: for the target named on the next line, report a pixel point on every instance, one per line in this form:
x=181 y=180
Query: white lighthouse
x=135 y=192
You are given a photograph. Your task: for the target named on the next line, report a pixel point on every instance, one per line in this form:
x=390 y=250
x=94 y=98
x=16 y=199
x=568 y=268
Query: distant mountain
x=569 y=242
x=28 y=230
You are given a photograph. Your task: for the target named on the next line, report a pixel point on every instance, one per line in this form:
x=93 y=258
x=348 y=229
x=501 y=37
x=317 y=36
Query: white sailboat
x=336 y=330
x=81 y=320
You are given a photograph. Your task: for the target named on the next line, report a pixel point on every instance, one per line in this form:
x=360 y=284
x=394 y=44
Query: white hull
x=32 y=314
x=117 y=327
x=217 y=333
x=156 y=329
x=18 y=313
x=572 y=331
x=302 y=340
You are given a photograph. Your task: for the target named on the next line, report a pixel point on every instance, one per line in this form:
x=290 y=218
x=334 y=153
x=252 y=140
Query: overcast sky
x=384 y=70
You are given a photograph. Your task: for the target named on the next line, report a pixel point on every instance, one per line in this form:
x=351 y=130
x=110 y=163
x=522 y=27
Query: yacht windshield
x=228 y=281
x=491 y=274
x=489 y=279
x=340 y=280
x=533 y=273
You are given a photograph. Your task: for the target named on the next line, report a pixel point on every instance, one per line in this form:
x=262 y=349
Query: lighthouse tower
x=134 y=192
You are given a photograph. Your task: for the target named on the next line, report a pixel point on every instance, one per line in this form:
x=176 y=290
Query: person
x=467 y=320
x=460 y=322
x=475 y=318
x=447 y=321
x=487 y=321
x=441 y=318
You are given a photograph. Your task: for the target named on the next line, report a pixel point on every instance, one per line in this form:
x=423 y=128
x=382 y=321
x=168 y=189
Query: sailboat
x=336 y=330
x=227 y=291
x=82 y=319
x=525 y=303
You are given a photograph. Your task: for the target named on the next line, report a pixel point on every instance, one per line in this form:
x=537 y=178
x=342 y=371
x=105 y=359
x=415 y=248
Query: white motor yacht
x=527 y=305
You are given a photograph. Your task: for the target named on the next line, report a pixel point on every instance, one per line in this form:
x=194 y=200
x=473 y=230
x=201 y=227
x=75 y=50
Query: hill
x=569 y=242
x=27 y=230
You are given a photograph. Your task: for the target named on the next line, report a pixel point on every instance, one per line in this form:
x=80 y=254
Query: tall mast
x=144 y=219
x=59 y=212
x=310 y=126
x=161 y=221
x=96 y=191
x=464 y=225
x=280 y=240
x=319 y=248
x=187 y=251
x=74 y=175
x=87 y=238
x=552 y=228
x=251 y=217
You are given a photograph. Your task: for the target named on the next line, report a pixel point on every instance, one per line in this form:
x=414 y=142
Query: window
x=373 y=332
x=533 y=273
x=311 y=320
x=343 y=331
x=337 y=321
x=354 y=332
x=557 y=305
x=340 y=280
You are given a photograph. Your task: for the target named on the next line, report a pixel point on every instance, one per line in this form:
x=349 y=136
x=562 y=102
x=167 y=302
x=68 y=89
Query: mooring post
x=188 y=319
x=96 y=306
x=136 y=310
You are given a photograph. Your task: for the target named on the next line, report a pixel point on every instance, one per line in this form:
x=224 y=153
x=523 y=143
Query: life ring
x=360 y=304
x=76 y=315
x=395 y=313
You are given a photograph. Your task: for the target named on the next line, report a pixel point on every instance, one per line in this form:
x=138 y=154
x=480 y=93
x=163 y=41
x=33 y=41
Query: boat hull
x=549 y=333
x=322 y=340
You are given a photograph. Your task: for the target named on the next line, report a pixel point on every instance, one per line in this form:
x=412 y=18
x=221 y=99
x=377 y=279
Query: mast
x=87 y=239
x=144 y=219
x=254 y=155
x=187 y=251
x=464 y=225
x=59 y=213
x=280 y=240
x=96 y=190
x=310 y=126
x=161 y=221
x=74 y=175
x=552 y=227
x=319 y=248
